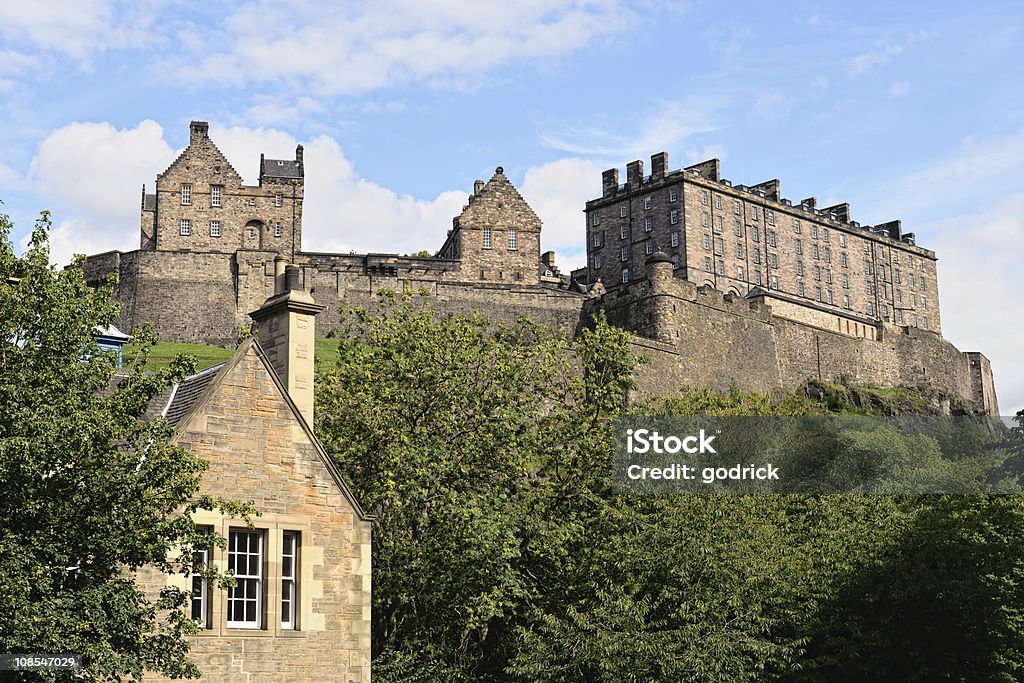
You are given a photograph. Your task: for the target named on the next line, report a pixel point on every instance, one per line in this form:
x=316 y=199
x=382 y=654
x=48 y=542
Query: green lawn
x=164 y=352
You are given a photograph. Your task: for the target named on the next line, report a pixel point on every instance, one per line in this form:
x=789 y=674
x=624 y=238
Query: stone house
x=301 y=607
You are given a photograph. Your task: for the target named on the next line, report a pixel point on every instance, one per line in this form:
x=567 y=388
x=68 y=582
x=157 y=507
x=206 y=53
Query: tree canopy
x=501 y=552
x=91 y=492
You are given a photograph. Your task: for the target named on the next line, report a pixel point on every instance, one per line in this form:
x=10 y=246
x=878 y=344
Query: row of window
x=247 y=561
x=185 y=229
x=216 y=195
x=513 y=238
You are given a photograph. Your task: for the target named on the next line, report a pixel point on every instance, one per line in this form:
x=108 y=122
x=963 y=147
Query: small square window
x=185 y=227
x=252 y=201
x=214 y=228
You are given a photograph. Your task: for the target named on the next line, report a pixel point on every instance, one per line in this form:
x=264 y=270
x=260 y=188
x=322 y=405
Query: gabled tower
x=201 y=204
x=497 y=235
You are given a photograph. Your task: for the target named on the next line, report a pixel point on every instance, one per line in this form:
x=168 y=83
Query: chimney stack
x=287 y=335
x=198 y=130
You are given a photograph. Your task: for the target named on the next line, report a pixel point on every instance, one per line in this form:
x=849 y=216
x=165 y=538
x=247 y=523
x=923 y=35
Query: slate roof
x=280 y=168
x=149 y=202
x=176 y=401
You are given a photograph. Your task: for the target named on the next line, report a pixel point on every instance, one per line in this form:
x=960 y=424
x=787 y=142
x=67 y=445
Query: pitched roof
x=184 y=394
x=280 y=168
x=186 y=398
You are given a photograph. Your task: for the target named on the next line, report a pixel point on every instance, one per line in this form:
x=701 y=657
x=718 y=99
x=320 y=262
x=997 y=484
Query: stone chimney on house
x=287 y=335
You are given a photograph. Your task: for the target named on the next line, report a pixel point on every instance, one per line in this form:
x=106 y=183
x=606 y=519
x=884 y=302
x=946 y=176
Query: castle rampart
x=722 y=286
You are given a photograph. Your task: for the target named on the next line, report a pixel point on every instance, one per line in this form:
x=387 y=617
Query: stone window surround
x=273 y=527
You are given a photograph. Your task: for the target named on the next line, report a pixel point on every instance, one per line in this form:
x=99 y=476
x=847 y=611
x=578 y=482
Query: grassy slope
x=164 y=352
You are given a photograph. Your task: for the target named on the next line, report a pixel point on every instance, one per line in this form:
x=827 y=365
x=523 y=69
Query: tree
x=501 y=552
x=89 y=491
x=454 y=432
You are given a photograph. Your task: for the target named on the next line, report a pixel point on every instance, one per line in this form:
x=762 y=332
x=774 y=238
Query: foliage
x=501 y=553
x=90 y=493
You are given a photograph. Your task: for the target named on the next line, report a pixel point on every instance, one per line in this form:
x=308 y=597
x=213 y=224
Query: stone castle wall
x=700 y=336
x=206 y=298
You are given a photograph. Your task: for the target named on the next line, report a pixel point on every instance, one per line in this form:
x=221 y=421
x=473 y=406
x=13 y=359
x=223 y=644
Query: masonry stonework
x=752 y=289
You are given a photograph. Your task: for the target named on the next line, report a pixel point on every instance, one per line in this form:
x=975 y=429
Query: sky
x=905 y=110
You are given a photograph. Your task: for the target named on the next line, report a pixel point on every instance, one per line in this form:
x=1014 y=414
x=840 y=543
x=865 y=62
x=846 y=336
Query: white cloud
x=980 y=280
x=557 y=192
x=978 y=167
x=670 y=123
x=95 y=173
x=337 y=48
x=697 y=155
x=898 y=88
x=77 y=28
x=884 y=52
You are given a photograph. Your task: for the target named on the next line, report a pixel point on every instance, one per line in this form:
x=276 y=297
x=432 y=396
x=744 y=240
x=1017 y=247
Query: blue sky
x=904 y=110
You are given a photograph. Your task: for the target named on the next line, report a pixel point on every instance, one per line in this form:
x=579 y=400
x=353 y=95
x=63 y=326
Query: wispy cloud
x=668 y=124
x=339 y=49
x=978 y=260
x=884 y=52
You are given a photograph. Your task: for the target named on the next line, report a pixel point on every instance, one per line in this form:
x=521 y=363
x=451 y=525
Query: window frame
x=247 y=580
x=290 y=614
x=186 y=194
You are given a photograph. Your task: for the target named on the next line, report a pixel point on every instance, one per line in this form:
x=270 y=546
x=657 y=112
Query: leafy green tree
x=456 y=433
x=89 y=492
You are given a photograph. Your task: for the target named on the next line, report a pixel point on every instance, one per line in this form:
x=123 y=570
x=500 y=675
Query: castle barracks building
x=721 y=285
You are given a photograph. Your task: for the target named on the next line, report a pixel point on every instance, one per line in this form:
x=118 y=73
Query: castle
x=722 y=285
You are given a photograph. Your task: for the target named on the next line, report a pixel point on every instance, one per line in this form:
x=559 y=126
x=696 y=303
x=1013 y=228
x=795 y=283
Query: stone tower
x=201 y=205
